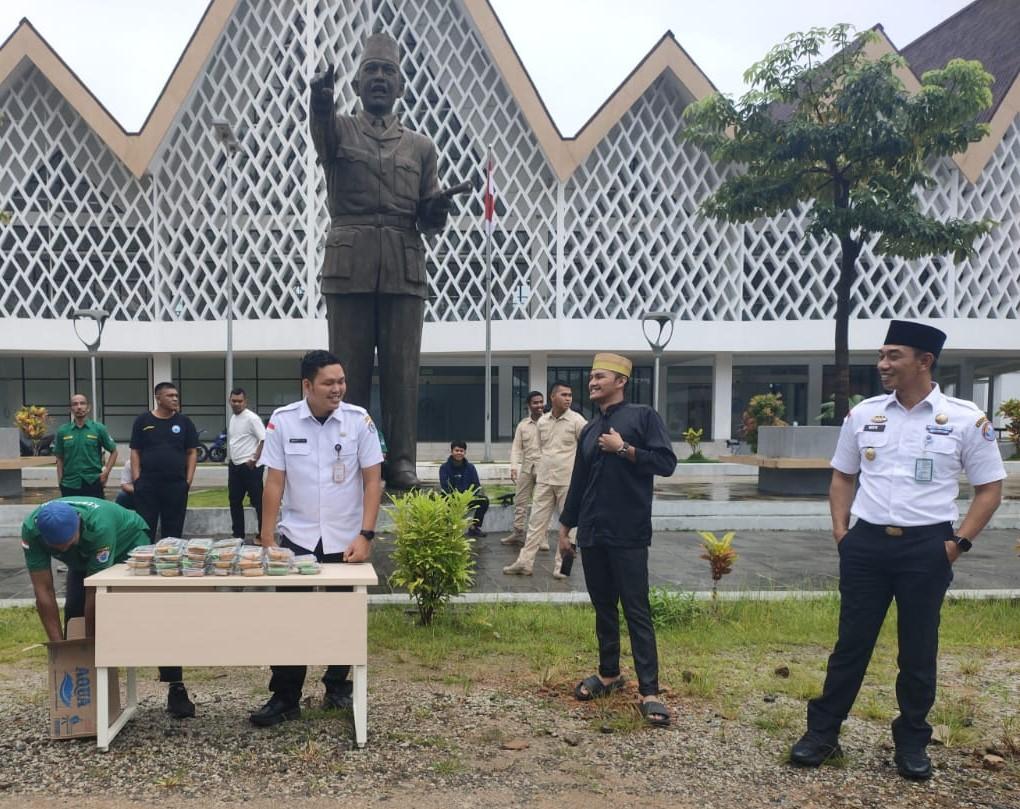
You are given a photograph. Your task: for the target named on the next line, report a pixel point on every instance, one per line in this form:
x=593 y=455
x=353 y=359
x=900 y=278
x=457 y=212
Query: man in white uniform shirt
x=558 y=431
x=245 y=437
x=324 y=486
x=906 y=449
x=525 y=453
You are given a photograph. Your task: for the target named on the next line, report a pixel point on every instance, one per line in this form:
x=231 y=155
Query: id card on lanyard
x=924 y=467
x=339 y=468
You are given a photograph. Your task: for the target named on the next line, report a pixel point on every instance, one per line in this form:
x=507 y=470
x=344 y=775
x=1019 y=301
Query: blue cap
x=57 y=522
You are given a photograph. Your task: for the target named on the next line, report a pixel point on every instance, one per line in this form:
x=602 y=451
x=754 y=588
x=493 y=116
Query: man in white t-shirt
x=245 y=437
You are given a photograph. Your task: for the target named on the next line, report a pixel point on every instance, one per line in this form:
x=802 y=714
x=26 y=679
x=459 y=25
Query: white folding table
x=207 y=621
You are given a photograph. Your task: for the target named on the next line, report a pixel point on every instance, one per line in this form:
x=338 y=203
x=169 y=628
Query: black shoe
x=274 y=712
x=339 y=699
x=812 y=750
x=913 y=764
x=476 y=532
x=178 y=703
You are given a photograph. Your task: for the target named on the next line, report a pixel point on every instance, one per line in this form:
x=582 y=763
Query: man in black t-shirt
x=164 y=452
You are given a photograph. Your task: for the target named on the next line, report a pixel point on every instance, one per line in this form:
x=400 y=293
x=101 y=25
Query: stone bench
x=10 y=473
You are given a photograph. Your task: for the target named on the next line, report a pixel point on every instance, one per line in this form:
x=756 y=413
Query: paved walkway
x=769 y=561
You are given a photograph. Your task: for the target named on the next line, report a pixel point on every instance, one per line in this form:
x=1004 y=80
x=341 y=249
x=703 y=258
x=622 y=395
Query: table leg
x=102 y=709
x=360 y=675
x=132 y=688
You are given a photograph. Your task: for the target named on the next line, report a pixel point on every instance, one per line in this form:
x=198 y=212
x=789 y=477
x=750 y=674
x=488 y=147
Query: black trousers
x=74 y=607
x=244 y=480
x=93 y=489
x=481 y=506
x=125 y=500
x=620 y=576
x=287 y=681
x=162 y=503
x=875 y=568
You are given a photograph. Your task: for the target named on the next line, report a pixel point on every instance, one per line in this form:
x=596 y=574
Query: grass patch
x=209 y=498
x=730 y=658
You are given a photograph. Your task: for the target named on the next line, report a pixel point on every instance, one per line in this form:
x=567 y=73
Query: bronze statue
x=383 y=191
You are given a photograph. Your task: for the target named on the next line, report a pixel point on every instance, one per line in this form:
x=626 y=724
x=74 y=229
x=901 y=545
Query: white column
x=722 y=397
x=965 y=389
x=538 y=370
x=162 y=369
x=504 y=395
x=814 y=389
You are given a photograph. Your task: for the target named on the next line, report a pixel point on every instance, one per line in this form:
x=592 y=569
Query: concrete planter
x=814 y=443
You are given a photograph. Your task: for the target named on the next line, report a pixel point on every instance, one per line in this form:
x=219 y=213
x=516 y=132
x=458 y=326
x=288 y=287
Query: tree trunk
x=849 y=251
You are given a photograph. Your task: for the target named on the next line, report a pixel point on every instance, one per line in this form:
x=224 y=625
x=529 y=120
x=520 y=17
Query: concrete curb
x=582 y=598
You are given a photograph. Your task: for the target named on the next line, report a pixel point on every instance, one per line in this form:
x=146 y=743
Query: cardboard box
x=72 y=679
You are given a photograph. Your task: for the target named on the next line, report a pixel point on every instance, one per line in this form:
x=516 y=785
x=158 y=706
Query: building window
x=790 y=381
x=639 y=389
x=689 y=400
x=451 y=403
x=518 y=394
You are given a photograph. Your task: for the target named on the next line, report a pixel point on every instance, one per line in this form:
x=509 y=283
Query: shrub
x=1011 y=410
x=32 y=421
x=720 y=556
x=763 y=410
x=693 y=439
x=432 y=557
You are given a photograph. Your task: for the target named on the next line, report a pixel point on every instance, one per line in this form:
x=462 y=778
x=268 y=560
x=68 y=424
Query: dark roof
x=986 y=30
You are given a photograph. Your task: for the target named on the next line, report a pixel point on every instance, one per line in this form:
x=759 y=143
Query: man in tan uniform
x=558 y=431
x=383 y=193
x=524 y=456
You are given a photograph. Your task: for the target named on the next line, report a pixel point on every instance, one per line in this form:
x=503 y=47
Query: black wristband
x=369 y=535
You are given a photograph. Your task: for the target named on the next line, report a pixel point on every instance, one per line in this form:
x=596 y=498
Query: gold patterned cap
x=381 y=47
x=614 y=363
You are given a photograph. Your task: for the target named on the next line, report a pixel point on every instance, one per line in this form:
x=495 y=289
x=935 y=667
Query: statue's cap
x=382 y=47
x=915 y=335
x=613 y=362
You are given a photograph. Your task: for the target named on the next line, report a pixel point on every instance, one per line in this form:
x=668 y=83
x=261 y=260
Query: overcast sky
x=577 y=51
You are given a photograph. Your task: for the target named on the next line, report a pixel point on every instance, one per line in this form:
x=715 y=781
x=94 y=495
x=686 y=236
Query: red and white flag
x=490 y=198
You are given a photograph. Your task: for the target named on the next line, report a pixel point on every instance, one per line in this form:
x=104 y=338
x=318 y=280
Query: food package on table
x=307 y=565
x=198 y=549
x=251 y=561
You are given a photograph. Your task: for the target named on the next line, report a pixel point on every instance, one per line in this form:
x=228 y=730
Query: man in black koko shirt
x=164 y=453
x=610 y=503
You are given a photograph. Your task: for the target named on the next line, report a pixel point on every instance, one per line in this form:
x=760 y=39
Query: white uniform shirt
x=892 y=447
x=126 y=478
x=314 y=506
x=244 y=432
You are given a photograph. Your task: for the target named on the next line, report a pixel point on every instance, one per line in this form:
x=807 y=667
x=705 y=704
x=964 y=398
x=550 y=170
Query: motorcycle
x=215 y=452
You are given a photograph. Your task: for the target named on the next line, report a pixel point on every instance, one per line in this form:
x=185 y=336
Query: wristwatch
x=369 y=535
x=622 y=451
x=963 y=543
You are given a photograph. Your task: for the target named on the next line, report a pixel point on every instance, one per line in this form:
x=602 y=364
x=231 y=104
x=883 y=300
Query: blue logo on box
x=66 y=690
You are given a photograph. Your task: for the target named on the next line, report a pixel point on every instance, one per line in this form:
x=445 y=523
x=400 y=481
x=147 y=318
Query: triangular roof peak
x=565 y=154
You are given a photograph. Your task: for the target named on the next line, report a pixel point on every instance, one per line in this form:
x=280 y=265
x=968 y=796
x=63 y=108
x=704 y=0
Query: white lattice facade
x=577 y=261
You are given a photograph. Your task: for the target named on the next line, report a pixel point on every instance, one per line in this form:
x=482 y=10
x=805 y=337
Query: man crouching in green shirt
x=88 y=535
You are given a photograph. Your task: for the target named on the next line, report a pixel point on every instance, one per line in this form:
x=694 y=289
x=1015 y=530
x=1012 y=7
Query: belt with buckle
x=907 y=530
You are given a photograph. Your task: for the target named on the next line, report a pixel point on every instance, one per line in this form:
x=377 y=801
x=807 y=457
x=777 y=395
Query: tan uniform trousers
x=522 y=500
x=544 y=501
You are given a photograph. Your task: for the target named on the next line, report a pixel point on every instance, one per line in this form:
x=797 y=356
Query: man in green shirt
x=79 y=446
x=88 y=535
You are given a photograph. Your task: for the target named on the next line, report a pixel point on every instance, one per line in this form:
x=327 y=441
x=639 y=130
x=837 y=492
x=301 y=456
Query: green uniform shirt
x=108 y=532
x=80 y=448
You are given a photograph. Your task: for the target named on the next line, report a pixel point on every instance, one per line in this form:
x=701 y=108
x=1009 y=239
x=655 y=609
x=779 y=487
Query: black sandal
x=592 y=687
x=655 y=713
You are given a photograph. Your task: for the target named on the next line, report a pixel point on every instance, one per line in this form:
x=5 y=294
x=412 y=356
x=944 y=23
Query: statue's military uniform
x=381 y=179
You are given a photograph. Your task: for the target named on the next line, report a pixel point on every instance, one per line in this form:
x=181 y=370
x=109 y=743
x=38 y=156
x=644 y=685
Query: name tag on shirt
x=298 y=440
x=938 y=429
x=923 y=470
x=874 y=428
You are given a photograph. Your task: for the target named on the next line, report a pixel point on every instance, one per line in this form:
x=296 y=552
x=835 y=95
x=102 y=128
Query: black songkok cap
x=915 y=335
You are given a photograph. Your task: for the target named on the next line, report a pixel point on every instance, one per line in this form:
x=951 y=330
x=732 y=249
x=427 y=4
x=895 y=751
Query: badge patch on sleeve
x=103 y=555
x=25 y=545
x=369 y=422
x=987 y=431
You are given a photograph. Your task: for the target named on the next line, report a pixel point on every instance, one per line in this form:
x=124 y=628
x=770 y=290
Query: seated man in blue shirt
x=459 y=474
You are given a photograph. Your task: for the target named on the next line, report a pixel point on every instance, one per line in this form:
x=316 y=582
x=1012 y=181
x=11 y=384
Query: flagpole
x=488 y=312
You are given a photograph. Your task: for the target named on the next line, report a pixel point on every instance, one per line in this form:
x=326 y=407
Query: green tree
x=844 y=135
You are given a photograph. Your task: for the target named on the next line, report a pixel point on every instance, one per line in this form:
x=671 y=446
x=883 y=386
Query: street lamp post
x=98 y=316
x=225 y=136
x=658 y=340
